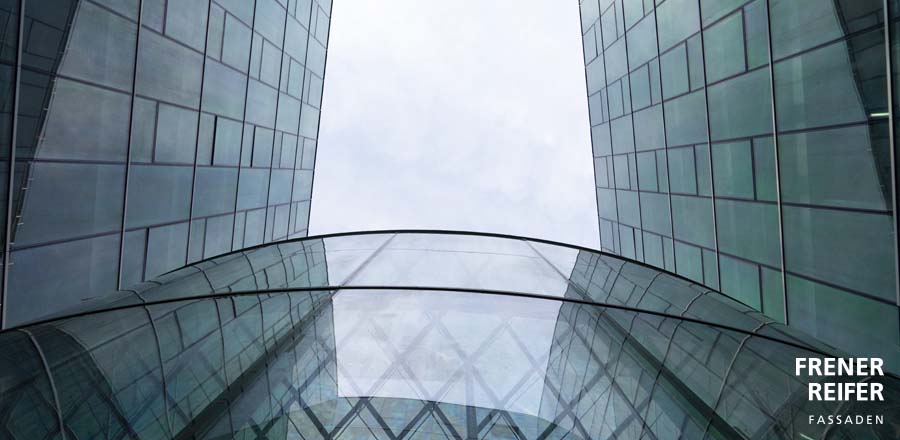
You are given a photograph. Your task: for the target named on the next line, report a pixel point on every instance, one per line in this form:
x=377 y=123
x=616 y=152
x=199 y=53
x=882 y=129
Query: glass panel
x=489 y=365
x=107 y=374
x=677 y=20
x=82 y=269
x=839 y=83
x=25 y=393
x=749 y=230
x=846 y=248
x=802 y=24
x=724 y=48
x=470 y=262
x=683 y=126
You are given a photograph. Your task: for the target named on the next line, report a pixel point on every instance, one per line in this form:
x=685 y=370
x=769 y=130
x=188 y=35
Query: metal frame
x=137 y=45
x=190 y=217
x=777 y=166
x=312 y=185
x=591 y=132
x=12 y=169
x=895 y=199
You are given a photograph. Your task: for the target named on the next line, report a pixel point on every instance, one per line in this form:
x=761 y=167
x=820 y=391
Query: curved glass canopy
x=417 y=335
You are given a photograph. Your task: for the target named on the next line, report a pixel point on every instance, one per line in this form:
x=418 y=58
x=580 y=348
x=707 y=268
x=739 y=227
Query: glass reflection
x=773 y=181
x=452 y=261
x=396 y=364
x=173 y=88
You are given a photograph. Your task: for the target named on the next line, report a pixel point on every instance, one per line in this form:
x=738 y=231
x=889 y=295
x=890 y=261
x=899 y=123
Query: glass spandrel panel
x=90 y=195
x=846 y=248
x=749 y=230
x=100 y=47
x=798 y=25
x=685 y=119
x=692 y=218
x=724 y=48
x=840 y=83
x=741 y=106
x=677 y=20
x=655 y=207
x=641 y=40
x=158 y=194
x=83 y=269
x=811 y=175
x=155 y=79
x=712 y=10
x=733 y=169
x=830 y=314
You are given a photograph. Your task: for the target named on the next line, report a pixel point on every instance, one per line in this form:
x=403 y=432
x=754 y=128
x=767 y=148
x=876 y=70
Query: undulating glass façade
x=747 y=145
x=149 y=134
x=307 y=339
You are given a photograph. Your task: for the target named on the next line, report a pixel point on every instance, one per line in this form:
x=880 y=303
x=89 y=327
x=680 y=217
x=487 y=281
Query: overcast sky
x=465 y=114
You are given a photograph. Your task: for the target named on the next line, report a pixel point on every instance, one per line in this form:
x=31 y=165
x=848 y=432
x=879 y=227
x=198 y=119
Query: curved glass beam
x=405 y=364
x=426 y=260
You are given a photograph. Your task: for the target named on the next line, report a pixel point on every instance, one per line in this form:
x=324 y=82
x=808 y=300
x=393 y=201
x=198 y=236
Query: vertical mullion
x=187 y=244
x=662 y=109
x=777 y=164
x=137 y=41
x=612 y=157
x=45 y=364
x=162 y=369
x=893 y=147
x=637 y=190
x=319 y=122
x=275 y=131
x=12 y=167
x=709 y=152
x=298 y=151
x=237 y=184
x=587 y=92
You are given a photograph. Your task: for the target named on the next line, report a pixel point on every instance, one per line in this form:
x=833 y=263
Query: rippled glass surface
x=308 y=339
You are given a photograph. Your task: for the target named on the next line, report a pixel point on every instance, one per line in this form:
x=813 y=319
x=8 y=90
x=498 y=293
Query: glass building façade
x=407 y=334
x=137 y=136
x=749 y=146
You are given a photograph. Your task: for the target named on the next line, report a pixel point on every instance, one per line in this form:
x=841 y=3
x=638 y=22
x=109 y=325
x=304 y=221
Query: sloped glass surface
x=405 y=364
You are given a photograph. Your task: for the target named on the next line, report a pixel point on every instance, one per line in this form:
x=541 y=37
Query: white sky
x=460 y=114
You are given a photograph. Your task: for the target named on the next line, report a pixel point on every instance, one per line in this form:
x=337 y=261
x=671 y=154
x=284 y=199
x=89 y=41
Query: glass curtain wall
x=747 y=145
x=150 y=134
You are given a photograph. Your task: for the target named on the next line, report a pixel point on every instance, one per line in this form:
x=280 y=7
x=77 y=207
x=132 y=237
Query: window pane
x=724 y=46
x=678 y=19
x=851 y=249
x=733 y=169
